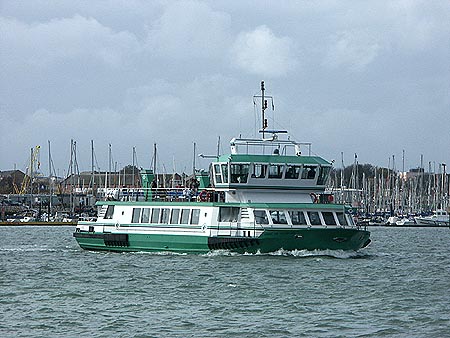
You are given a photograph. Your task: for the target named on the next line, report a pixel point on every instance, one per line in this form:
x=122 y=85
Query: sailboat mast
x=92 y=166
x=134 y=155
x=193 y=160
x=218 y=147
x=154 y=164
x=50 y=182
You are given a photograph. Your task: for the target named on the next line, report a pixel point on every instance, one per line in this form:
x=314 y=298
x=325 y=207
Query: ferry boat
x=263 y=196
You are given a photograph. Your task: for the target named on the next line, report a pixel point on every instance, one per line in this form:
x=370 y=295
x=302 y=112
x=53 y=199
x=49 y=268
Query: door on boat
x=228 y=220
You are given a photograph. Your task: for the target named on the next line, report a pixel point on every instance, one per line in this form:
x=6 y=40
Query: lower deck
x=269 y=240
x=201 y=227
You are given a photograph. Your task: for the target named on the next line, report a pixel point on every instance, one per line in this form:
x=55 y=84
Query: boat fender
x=204 y=227
x=314 y=197
x=117 y=225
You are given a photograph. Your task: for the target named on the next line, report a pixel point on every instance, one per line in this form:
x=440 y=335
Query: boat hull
x=270 y=240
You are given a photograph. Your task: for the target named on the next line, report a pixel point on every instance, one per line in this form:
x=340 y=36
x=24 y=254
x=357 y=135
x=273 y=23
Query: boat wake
x=340 y=254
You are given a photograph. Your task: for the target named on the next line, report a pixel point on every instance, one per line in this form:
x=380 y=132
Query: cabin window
x=217 y=174
x=145 y=215
x=275 y=171
x=228 y=214
x=175 y=216
x=341 y=218
x=314 y=218
x=225 y=173
x=259 y=170
x=278 y=217
x=109 y=212
x=136 y=215
x=185 y=216
x=309 y=172
x=297 y=217
x=165 y=216
x=292 y=172
x=260 y=217
x=155 y=215
x=239 y=173
x=328 y=218
x=323 y=175
x=195 y=216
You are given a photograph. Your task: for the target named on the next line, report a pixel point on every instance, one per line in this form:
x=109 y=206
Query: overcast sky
x=364 y=77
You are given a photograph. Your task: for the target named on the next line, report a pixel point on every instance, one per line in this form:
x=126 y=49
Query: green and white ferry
x=263 y=196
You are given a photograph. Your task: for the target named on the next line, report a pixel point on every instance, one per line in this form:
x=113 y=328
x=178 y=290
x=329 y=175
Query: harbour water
x=397 y=287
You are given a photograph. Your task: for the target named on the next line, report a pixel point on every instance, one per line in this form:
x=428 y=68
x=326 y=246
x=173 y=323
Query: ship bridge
x=259 y=170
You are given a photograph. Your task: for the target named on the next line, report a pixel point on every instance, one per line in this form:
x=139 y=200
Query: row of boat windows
x=239 y=172
x=160 y=215
x=165 y=216
x=298 y=217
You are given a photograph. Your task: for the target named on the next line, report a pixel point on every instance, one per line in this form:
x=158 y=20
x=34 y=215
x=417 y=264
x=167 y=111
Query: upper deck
x=258 y=167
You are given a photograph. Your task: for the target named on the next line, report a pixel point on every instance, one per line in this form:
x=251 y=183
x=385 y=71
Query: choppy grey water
x=398 y=287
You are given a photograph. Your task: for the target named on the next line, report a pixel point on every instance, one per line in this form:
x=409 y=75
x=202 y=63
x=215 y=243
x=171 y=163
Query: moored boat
x=438 y=218
x=263 y=196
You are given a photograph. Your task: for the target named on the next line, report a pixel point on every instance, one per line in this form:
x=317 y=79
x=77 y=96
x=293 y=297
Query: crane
x=34 y=165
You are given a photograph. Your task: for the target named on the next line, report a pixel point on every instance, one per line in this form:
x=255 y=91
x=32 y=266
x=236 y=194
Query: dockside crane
x=31 y=171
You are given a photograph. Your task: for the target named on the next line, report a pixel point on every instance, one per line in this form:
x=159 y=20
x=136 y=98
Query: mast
x=342 y=177
x=263 y=108
x=132 y=174
x=71 y=177
x=154 y=165
x=193 y=161
x=31 y=178
x=50 y=180
x=92 y=167
x=109 y=166
x=218 y=147
x=443 y=187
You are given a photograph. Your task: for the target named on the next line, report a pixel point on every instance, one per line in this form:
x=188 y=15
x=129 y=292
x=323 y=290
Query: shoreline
x=38 y=224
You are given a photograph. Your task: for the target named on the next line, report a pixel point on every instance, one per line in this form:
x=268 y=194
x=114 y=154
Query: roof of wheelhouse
x=251 y=158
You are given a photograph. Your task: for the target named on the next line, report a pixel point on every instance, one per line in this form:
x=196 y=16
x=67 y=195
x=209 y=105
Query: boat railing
x=179 y=194
x=243 y=145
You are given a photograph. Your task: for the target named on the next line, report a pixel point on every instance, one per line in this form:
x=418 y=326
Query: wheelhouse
x=240 y=171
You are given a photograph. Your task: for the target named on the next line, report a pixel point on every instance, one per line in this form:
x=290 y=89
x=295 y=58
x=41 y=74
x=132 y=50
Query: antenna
x=263 y=107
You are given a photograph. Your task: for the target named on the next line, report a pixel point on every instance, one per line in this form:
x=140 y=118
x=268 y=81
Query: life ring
x=314 y=197
x=330 y=198
x=204 y=196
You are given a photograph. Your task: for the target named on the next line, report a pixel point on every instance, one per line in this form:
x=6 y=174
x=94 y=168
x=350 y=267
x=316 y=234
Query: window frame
x=136 y=215
x=279 y=173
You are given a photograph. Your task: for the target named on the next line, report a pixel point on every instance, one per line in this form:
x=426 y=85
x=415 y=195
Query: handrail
x=162 y=194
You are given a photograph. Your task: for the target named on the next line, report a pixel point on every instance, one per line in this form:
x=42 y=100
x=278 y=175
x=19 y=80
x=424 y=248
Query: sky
x=353 y=77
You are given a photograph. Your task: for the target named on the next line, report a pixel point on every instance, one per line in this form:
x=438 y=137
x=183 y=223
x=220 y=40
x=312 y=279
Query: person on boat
x=153 y=188
x=187 y=193
x=311 y=173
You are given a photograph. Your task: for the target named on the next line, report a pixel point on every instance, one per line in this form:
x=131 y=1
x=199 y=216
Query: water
x=398 y=287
